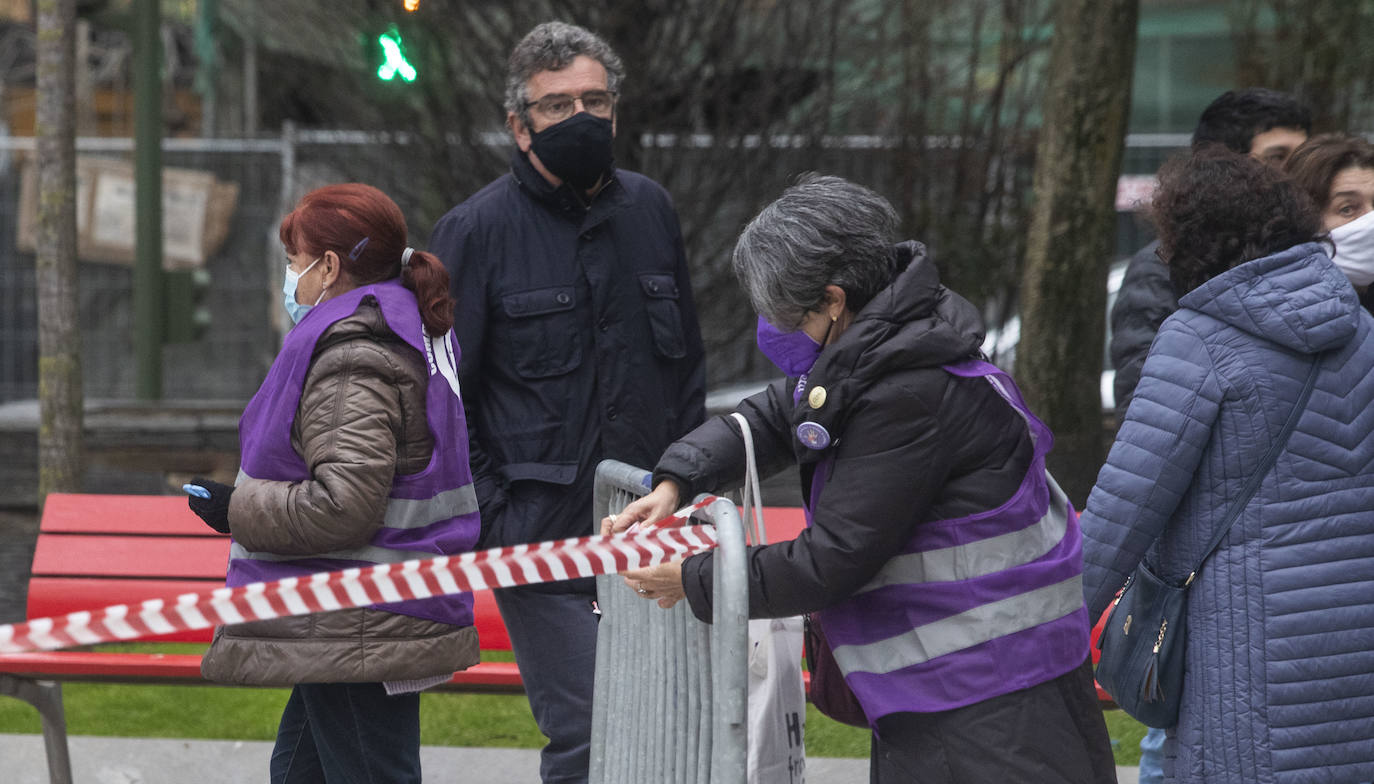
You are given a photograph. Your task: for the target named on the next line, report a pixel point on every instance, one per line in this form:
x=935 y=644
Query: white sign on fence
x=196 y=208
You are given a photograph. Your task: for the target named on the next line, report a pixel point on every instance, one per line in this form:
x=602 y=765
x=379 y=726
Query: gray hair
x=822 y=231
x=552 y=46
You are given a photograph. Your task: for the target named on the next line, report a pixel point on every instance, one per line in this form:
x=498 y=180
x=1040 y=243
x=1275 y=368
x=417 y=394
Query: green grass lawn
x=446 y=719
x=1126 y=733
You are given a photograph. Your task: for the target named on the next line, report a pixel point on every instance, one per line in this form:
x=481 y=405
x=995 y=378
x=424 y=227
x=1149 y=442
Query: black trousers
x=1052 y=733
x=347 y=733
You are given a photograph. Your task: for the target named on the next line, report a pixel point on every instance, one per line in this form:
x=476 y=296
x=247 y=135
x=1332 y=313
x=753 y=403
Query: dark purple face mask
x=793 y=352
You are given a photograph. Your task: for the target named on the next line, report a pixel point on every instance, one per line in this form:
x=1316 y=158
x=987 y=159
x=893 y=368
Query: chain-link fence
x=232 y=357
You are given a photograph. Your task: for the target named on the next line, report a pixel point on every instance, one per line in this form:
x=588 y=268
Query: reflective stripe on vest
x=404 y=514
x=928 y=632
x=965 y=630
x=401 y=514
x=408 y=513
x=369 y=553
x=983 y=557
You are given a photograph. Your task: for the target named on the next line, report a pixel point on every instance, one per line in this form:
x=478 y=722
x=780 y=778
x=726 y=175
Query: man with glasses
x=579 y=342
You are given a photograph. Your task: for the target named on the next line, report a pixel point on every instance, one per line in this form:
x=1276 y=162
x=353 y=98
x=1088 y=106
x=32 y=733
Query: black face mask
x=577 y=150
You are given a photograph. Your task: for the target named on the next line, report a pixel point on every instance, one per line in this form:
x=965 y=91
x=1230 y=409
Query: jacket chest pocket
x=665 y=319
x=543 y=338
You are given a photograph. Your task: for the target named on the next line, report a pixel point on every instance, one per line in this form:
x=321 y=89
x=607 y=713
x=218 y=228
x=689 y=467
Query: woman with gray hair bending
x=943 y=565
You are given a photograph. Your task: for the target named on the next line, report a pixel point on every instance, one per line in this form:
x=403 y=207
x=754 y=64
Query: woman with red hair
x=354 y=453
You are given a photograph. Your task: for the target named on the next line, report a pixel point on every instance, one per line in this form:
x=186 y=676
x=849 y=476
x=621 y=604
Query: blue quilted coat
x=1279 y=673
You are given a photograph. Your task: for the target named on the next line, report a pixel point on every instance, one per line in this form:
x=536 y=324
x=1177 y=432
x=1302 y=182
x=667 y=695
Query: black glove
x=215 y=509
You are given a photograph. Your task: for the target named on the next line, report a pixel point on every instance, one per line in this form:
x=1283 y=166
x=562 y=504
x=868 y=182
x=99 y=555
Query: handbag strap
x=753 y=499
x=1262 y=470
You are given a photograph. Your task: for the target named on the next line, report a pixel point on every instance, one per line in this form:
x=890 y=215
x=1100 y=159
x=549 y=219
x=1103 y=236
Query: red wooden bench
x=97 y=550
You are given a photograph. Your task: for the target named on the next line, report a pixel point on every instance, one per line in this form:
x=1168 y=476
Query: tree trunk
x=1073 y=227
x=59 y=335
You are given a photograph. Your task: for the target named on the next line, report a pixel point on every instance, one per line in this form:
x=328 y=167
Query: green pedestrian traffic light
x=394 y=59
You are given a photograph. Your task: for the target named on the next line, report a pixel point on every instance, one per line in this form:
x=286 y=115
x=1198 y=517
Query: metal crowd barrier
x=671 y=696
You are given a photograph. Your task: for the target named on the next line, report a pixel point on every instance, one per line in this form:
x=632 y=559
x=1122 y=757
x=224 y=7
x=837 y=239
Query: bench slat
x=491 y=632
x=97 y=666
x=89 y=555
x=57 y=596
x=781 y=523
x=122 y=514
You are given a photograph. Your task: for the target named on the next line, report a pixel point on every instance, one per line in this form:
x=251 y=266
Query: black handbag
x=829 y=692
x=1142 y=642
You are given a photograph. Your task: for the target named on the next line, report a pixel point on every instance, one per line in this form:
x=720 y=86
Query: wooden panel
x=487 y=676
x=491 y=631
x=185 y=668
x=83 y=555
x=57 y=596
x=125 y=514
x=782 y=523
x=97 y=666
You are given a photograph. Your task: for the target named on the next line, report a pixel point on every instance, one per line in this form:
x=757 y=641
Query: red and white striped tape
x=501 y=567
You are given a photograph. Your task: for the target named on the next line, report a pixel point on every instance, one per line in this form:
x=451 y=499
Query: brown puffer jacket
x=361 y=421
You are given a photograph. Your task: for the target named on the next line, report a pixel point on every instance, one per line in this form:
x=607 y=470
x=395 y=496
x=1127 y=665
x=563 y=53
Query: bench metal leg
x=46 y=696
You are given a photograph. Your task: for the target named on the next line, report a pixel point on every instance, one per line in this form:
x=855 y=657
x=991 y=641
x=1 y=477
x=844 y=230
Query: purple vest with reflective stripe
x=430 y=513
x=970 y=608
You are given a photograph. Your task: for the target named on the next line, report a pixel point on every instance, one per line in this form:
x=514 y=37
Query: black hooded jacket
x=911 y=443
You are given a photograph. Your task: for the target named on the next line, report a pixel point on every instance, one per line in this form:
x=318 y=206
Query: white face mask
x=1354 y=254
x=295 y=310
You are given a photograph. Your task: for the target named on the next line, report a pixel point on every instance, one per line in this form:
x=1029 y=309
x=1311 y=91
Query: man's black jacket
x=579 y=342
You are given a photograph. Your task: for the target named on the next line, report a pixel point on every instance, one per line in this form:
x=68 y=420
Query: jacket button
x=563 y=298
x=603 y=325
x=653 y=286
x=611 y=412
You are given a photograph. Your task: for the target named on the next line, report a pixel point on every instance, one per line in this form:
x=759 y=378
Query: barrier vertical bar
x=729 y=646
x=670 y=702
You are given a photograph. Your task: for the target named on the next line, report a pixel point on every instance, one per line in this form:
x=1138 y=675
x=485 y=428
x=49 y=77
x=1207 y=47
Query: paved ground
x=142 y=761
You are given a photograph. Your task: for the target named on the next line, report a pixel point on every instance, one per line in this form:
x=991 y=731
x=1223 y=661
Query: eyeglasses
x=559 y=106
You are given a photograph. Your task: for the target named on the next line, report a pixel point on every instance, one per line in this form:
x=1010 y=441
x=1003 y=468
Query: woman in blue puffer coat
x=1279 y=659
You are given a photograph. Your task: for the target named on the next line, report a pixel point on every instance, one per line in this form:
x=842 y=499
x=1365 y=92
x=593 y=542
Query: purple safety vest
x=969 y=608
x=430 y=513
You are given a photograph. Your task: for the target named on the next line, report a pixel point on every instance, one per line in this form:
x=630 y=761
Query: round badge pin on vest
x=817 y=397
x=813 y=435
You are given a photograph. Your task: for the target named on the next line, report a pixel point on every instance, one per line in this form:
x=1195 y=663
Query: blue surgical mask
x=793 y=352
x=295 y=309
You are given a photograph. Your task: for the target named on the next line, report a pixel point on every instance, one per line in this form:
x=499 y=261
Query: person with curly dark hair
x=1337 y=171
x=1279 y=623
x=1262 y=123
x=1213 y=213
x=1265 y=124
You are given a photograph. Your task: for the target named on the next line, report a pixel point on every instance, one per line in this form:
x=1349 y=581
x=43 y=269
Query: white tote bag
x=777 y=700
